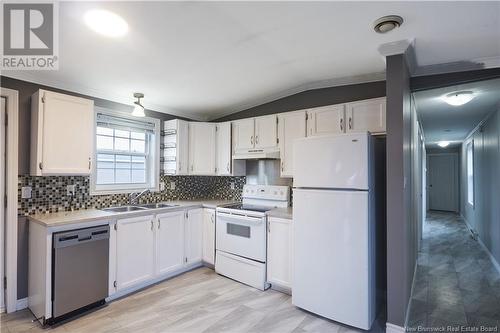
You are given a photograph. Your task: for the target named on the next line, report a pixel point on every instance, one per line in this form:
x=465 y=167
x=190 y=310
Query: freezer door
x=336 y=161
x=333 y=249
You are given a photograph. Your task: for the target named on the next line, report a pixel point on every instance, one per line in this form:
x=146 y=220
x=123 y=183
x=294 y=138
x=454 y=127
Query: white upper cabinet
x=326 y=120
x=244 y=134
x=201 y=148
x=223 y=148
x=266 y=132
x=367 y=115
x=209 y=236
x=193 y=244
x=291 y=126
x=62 y=134
x=175 y=147
x=170 y=242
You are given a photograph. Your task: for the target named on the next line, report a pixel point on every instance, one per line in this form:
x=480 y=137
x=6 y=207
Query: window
x=126 y=154
x=470 y=172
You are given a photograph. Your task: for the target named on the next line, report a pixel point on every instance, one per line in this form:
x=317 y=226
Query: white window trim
x=127 y=188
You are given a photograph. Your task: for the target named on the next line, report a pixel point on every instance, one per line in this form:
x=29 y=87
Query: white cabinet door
x=368 y=115
x=135 y=251
x=266 y=132
x=193 y=236
x=223 y=148
x=170 y=242
x=182 y=147
x=279 y=252
x=291 y=126
x=209 y=236
x=326 y=120
x=201 y=148
x=63 y=130
x=244 y=134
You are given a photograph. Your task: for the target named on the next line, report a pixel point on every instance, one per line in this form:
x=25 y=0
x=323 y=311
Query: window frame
x=152 y=162
x=469 y=152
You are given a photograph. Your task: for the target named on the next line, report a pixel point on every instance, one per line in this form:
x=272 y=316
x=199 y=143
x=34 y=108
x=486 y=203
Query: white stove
x=241 y=234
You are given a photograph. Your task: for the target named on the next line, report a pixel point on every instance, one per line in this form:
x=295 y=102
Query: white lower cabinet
x=170 y=242
x=135 y=251
x=209 y=236
x=279 y=252
x=193 y=236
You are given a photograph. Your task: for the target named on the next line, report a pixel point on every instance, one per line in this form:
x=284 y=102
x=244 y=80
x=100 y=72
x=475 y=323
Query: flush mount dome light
x=387 y=23
x=443 y=144
x=459 y=98
x=138 y=108
x=106 y=23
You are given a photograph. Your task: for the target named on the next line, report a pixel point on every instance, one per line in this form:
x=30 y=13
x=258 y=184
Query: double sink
x=133 y=208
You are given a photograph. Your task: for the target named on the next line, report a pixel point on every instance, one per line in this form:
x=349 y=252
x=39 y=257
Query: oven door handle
x=242 y=219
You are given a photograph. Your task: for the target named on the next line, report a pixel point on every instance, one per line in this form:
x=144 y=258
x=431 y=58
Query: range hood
x=257 y=154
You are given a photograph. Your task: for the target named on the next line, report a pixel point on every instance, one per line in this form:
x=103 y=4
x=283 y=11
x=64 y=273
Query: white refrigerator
x=333 y=268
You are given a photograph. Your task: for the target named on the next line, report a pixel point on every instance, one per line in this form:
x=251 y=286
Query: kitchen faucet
x=134 y=196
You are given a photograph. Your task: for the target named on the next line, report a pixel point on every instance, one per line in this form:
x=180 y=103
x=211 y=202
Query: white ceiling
x=206 y=59
x=443 y=122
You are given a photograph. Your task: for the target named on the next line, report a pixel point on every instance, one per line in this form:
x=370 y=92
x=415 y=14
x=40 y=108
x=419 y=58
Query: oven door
x=241 y=235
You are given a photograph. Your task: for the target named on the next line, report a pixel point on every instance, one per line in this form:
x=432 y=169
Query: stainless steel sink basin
x=123 y=209
x=156 y=205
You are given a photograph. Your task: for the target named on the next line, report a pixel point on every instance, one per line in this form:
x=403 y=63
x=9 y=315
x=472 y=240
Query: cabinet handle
x=256 y=139
x=152 y=225
x=192 y=167
x=268 y=227
x=159 y=223
x=341 y=124
x=350 y=123
x=90 y=163
x=282 y=166
x=180 y=166
x=251 y=139
x=227 y=167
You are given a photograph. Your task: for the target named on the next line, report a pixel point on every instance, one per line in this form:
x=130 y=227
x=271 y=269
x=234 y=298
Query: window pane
x=138 y=136
x=138 y=162
x=138 y=176
x=122 y=134
x=104 y=131
x=104 y=142
x=137 y=146
x=122 y=144
x=122 y=176
x=105 y=176
x=122 y=162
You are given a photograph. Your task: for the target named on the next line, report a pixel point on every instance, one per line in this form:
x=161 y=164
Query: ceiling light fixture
x=106 y=23
x=138 y=108
x=459 y=97
x=443 y=144
x=387 y=23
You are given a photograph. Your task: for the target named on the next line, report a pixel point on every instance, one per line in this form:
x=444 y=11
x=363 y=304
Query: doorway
x=443 y=182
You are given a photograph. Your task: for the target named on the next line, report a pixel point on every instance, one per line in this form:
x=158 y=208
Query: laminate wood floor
x=197 y=301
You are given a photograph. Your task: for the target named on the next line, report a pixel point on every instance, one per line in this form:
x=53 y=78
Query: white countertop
x=90 y=215
x=284 y=213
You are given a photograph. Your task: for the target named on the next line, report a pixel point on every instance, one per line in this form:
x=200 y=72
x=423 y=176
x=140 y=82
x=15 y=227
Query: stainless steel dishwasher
x=80 y=261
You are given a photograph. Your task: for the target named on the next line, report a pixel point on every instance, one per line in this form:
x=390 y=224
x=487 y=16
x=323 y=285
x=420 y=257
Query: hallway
x=456 y=284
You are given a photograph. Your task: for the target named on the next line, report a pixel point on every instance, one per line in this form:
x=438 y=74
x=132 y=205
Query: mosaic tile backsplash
x=49 y=193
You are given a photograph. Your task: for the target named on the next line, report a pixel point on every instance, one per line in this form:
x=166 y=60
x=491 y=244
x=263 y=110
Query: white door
x=170 y=242
x=182 y=147
x=223 y=139
x=3 y=159
x=291 y=126
x=366 y=115
x=244 y=134
x=332 y=256
x=266 y=132
x=67 y=139
x=279 y=252
x=443 y=182
x=326 y=120
x=194 y=236
x=202 y=148
x=135 y=251
x=209 y=236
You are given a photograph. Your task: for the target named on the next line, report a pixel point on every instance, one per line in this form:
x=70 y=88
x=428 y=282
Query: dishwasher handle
x=80 y=236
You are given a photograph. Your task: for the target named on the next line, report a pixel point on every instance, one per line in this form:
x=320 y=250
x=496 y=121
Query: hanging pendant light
x=138 y=108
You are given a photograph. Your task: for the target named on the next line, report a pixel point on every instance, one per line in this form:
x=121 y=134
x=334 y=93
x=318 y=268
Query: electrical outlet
x=70 y=189
x=172 y=185
x=162 y=186
x=232 y=185
x=26 y=192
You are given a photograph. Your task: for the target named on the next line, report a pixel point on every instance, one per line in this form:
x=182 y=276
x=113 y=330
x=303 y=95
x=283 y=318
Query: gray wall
x=484 y=216
x=314 y=98
x=401 y=229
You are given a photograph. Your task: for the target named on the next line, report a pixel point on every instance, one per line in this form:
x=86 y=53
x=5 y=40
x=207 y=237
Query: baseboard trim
x=391 y=328
x=22 y=304
x=408 y=308
x=492 y=258
x=2 y=309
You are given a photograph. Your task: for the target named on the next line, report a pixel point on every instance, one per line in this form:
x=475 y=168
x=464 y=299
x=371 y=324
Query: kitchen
x=258 y=206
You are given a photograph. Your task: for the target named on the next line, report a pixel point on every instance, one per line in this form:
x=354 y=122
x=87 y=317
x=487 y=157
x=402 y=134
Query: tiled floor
x=198 y=301
x=456 y=283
